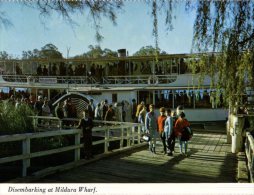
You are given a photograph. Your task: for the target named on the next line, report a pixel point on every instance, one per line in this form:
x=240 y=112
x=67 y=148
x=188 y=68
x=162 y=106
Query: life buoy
x=30 y=79
x=153 y=80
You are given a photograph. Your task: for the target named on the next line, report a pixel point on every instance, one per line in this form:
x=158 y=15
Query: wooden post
x=194 y=100
x=13 y=70
x=35 y=122
x=133 y=134
x=25 y=151
x=173 y=99
x=128 y=136
x=153 y=96
x=77 y=150
x=48 y=94
x=139 y=132
x=60 y=124
x=5 y=70
x=121 y=141
x=106 y=144
x=36 y=93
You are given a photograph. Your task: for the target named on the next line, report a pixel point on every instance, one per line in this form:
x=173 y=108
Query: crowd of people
x=119 y=67
x=69 y=70
x=169 y=126
x=41 y=107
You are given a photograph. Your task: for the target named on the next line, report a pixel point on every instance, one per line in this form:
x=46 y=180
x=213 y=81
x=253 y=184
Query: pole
x=68 y=51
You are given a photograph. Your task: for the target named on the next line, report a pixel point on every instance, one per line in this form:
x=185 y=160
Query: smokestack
x=121 y=52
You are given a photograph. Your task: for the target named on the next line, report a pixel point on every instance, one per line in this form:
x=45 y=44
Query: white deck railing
x=249 y=150
x=116 y=131
x=89 y=80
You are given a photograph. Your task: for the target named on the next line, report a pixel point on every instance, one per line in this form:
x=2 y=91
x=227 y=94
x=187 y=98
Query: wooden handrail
x=130 y=132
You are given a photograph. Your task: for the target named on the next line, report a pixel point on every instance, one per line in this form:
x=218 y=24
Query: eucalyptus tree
x=148 y=51
x=34 y=54
x=4 y=55
x=48 y=51
x=95 y=51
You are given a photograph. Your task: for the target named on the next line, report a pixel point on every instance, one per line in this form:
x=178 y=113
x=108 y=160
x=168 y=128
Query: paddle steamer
x=165 y=80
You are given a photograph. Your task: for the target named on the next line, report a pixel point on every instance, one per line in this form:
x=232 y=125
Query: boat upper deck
x=89 y=83
x=151 y=72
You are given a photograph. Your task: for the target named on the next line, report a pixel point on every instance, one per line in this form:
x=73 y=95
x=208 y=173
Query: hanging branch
x=66 y=8
x=4 y=21
x=155 y=29
x=229 y=31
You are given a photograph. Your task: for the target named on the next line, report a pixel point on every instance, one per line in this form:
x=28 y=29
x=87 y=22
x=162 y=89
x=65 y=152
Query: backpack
x=186 y=134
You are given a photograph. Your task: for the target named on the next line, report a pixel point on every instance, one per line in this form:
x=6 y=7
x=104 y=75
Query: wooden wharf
x=210 y=161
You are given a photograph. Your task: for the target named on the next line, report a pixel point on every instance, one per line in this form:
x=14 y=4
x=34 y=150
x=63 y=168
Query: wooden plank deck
x=210 y=161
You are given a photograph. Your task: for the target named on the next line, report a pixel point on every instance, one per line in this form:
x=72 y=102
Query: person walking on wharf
x=180 y=125
x=169 y=134
x=175 y=116
x=86 y=123
x=151 y=127
x=161 y=124
x=139 y=108
x=142 y=117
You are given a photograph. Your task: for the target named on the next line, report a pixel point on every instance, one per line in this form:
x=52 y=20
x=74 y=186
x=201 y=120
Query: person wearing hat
x=151 y=127
x=161 y=123
x=86 y=123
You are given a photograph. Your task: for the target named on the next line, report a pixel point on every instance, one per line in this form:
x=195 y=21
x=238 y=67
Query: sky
x=133 y=30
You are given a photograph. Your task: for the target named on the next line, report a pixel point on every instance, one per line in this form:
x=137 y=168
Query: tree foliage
x=4 y=55
x=15 y=120
x=4 y=21
x=149 y=51
x=96 y=9
x=49 y=51
x=97 y=52
x=226 y=27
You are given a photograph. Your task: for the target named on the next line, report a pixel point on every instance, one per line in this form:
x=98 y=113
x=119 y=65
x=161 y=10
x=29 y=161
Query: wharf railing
x=128 y=135
x=249 y=150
